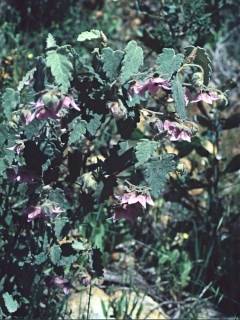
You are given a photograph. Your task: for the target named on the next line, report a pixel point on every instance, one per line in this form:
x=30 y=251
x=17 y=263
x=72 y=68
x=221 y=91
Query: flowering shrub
x=74 y=153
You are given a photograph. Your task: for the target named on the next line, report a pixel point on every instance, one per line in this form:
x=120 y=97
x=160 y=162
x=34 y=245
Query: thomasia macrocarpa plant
x=81 y=142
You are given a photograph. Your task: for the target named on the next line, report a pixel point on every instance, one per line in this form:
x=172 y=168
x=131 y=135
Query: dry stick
x=89 y=300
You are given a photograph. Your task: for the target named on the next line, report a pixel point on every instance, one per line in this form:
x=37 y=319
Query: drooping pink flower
x=61 y=283
x=151 y=85
x=133 y=197
x=176 y=132
x=68 y=102
x=42 y=112
x=208 y=97
x=34 y=213
x=154 y=84
x=21 y=174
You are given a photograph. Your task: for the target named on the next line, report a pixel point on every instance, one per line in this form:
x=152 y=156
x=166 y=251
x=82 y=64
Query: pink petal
x=128 y=197
x=185 y=136
x=69 y=102
x=149 y=200
x=142 y=200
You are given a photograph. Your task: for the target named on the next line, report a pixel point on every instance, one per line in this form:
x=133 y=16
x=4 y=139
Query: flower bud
x=198 y=79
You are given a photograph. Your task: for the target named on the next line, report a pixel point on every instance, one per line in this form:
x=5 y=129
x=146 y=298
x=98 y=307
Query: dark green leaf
x=200 y=57
x=94 y=124
x=233 y=165
x=178 y=96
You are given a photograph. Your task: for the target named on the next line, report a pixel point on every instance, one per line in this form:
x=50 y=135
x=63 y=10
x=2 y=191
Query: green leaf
x=168 y=63
x=89 y=35
x=200 y=57
x=78 y=127
x=132 y=61
x=59 y=224
x=78 y=246
x=10 y=100
x=33 y=128
x=40 y=258
x=94 y=124
x=25 y=80
x=61 y=69
x=11 y=304
x=51 y=43
x=68 y=261
x=111 y=62
x=57 y=195
x=156 y=172
x=144 y=151
x=55 y=254
x=178 y=96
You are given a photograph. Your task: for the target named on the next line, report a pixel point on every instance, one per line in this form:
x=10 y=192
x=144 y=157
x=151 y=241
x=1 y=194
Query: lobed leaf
x=89 y=35
x=144 y=151
x=61 y=69
x=132 y=61
x=156 y=172
x=78 y=130
x=51 y=41
x=111 y=62
x=168 y=63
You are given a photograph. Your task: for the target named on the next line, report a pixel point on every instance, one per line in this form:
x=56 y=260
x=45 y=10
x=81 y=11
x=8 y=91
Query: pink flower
x=68 y=102
x=34 y=213
x=208 y=97
x=133 y=197
x=61 y=283
x=176 y=132
x=21 y=174
x=154 y=84
x=151 y=85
